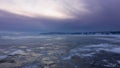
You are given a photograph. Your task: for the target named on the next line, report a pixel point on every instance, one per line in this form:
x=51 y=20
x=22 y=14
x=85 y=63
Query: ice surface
x=62 y=48
x=90 y=50
x=115 y=38
x=24 y=37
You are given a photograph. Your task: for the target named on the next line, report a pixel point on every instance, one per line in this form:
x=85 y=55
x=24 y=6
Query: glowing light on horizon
x=34 y=8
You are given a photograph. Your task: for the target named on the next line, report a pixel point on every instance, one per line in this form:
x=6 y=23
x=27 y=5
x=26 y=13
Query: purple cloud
x=100 y=15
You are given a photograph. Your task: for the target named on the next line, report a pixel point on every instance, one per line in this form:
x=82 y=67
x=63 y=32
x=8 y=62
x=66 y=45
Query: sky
x=59 y=15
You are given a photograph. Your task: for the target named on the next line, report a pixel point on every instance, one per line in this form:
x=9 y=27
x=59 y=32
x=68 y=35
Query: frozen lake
x=60 y=51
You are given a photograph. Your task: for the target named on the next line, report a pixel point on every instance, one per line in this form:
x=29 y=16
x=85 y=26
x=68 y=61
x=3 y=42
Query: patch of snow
x=89 y=54
x=111 y=65
x=104 y=60
x=99 y=46
x=118 y=61
x=115 y=50
x=116 y=39
x=90 y=50
x=67 y=58
x=117 y=36
x=18 y=52
x=29 y=50
x=58 y=38
x=3 y=57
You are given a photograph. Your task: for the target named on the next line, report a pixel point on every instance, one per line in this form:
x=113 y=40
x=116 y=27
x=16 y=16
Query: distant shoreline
x=82 y=33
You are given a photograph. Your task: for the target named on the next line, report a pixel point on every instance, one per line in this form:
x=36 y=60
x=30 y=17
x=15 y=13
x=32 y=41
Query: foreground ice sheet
x=59 y=51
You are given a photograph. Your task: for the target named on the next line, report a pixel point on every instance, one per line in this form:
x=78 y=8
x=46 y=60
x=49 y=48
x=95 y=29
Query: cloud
x=87 y=15
x=33 y=8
